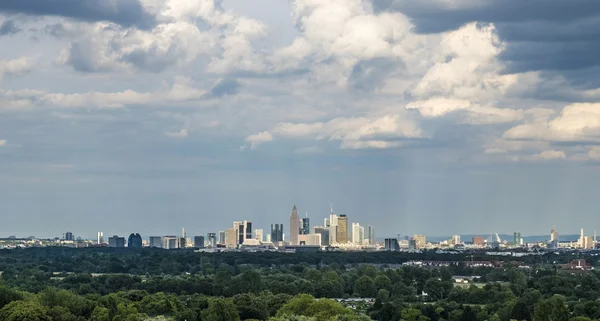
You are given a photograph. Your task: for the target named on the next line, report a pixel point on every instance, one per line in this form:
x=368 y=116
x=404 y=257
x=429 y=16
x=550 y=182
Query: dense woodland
x=56 y=284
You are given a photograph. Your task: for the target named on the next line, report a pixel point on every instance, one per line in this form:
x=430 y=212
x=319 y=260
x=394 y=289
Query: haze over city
x=416 y=117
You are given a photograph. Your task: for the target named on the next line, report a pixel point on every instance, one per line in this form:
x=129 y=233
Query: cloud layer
x=339 y=85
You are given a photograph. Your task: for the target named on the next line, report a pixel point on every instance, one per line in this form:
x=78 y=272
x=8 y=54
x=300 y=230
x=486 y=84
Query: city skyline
x=484 y=115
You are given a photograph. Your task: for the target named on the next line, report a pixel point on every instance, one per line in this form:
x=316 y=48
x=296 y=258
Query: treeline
x=60 y=305
x=158 y=261
x=408 y=293
x=223 y=287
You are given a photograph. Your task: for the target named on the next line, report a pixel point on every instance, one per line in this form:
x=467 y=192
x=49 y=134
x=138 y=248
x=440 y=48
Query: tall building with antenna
x=294 y=226
x=305 y=228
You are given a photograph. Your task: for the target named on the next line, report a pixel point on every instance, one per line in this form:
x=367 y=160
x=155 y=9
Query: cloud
x=378 y=132
x=258 y=139
x=567 y=35
x=16 y=67
x=594 y=153
x=3 y=142
x=225 y=87
x=127 y=13
x=579 y=122
x=8 y=27
x=199 y=33
x=180 y=134
x=552 y=154
x=181 y=91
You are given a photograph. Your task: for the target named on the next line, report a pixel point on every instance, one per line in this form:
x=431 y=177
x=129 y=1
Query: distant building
x=370 y=237
x=134 y=241
x=116 y=241
x=259 y=235
x=69 y=236
x=517 y=238
x=553 y=234
x=305 y=228
x=183 y=242
x=478 y=240
x=294 y=226
x=342 y=229
x=456 y=239
x=420 y=240
x=156 y=241
x=276 y=233
x=199 y=242
x=243 y=229
x=324 y=231
x=212 y=239
x=412 y=244
x=231 y=238
x=358 y=234
x=170 y=242
x=221 y=237
x=391 y=244
x=100 y=239
x=309 y=239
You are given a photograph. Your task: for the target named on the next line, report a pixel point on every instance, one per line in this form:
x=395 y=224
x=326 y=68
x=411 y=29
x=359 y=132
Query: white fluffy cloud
x=17 y=67
x=374 y=132
x=258 y=139
x=579 y=122
x=552 y=154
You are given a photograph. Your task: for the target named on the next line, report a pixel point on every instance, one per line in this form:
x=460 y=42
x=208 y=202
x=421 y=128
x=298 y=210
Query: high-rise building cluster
x=334 y=231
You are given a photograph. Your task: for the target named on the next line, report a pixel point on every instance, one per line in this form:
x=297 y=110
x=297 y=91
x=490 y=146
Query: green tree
x=551 y=309
x=365 y=287
x=383 y=282
x=220 y=309
x=8 y=295
x=412 y=314
x=24 y=311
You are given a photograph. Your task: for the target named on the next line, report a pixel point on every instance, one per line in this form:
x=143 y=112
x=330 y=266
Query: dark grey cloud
x=368 y=75
x=128 y=13
x=81 y=58
x=226 y=87
x=8 y=27
x=152 y=60
x=540 y=35
x=431 y=17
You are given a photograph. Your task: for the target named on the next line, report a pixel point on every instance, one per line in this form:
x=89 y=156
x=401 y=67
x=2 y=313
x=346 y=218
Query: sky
x=433 y=117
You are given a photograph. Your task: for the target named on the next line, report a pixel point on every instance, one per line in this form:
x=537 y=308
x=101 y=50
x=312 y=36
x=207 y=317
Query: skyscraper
x=371 y=235
x=243 y=230
x=134 y=241
x=391 y=244
x=212 y=239
x=68 y=236
x=516 y=238
x=420 y=241
x=294 y=226
x=199 y=242
x=231 y=238
x=221 y=237
x=342 y=229
x=156 y=241
x=100 y=238
x=305 y=228
x=357 y=234
x=276 y=233
x=116 y=241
